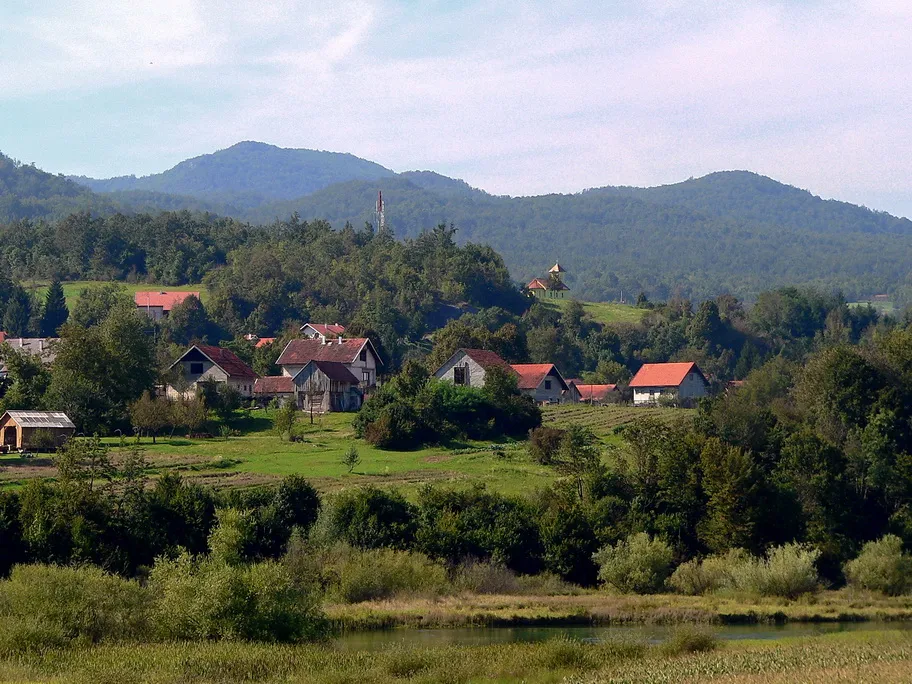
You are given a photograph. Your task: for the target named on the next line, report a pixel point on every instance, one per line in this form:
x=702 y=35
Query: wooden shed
x=25 y=430
x=327 y=386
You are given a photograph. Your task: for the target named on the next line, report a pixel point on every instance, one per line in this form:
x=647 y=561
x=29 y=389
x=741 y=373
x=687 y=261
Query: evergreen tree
x=17 y=315
x=55 y=310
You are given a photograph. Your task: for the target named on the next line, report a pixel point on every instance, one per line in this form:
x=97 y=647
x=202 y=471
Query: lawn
x=71 y=289
x=602 y=312
x=259 y=456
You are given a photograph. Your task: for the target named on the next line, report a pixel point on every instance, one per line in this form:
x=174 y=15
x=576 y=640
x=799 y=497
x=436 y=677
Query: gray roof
x=41 y=419
x=36 y=346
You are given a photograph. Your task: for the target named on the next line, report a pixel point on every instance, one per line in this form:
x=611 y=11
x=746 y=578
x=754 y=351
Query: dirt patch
x=438 y=458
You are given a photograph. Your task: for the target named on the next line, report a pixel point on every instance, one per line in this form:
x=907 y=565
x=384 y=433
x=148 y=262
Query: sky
x=516 y=98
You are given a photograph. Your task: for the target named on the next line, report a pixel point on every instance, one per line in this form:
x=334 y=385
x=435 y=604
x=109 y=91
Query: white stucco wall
x=475 y=374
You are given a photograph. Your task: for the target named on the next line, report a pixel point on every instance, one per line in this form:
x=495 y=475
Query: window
x=363 y=355
x=196 y=368
x=365 y=376
x=547 y=384
x=459 y=375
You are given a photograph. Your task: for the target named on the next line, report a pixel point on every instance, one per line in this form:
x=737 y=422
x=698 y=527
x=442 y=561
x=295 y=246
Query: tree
x=28 y=379
x=150 y=414
x=55 y=311
x=284 y=419
x=18 y=313
x=351 y=458
x=731 y=483
x=188 y=322
x=95 y=303
x=578 y=455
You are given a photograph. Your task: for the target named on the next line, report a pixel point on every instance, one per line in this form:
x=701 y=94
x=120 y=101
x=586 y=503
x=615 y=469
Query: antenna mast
x=381 y=218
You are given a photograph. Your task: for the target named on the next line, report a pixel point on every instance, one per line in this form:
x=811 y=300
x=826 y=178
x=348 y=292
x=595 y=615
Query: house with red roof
x=541 y=381
x=469 y=366
x=682 y=381
x=551 y=286
x=202 y=363
x=324 y=331
x=158 y=304
x=357 y=354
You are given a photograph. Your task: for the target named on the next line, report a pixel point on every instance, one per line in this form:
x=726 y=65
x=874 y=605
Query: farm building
x=543 y=382
x=158 y=304
x=323 y=331
x=680 y=381
x=202 y=363
x=320 y=387
x=42 y=347
x=469 y=366
x=271 y=387
x=357 y=354
x=597 y=394
x=24 y=430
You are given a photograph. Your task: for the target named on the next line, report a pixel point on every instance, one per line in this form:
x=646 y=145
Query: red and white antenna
x=381 y=218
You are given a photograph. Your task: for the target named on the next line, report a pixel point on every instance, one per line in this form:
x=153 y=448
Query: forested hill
x=29 y=192
x=728 y=232
x=248 y=173
x=732 y=231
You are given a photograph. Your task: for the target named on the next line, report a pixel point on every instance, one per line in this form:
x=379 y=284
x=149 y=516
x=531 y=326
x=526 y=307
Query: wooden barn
x=33 y=430
x=327 y=386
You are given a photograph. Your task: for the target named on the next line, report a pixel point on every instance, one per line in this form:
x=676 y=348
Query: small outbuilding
x=682 y=382
x=597 y=394
x=34 y=430
x=280 y=387
x=327 y=386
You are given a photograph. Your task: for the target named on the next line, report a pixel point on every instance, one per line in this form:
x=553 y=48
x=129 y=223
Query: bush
x=353 y=575
x=71 y=604
x=211 y=599
x=697 y=577
x=787 y=571
x=689 y=639
x=544 y=444
x=639 y=564
x=370 y=518
x=480 y=577
x=882 y=566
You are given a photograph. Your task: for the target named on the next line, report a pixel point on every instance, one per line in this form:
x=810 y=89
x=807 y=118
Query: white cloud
x=516 y=98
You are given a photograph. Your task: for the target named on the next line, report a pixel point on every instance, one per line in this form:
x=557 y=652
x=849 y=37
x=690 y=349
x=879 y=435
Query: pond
x=481 y=636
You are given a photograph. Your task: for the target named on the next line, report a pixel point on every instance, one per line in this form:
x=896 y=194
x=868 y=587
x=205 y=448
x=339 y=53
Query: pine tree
x=55 y=312
x=17 y=315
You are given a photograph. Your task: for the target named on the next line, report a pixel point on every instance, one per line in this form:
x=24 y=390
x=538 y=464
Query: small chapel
x=551 y=286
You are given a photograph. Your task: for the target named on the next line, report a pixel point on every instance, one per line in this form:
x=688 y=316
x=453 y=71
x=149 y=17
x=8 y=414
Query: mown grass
x=883 y=656
x=71 y=289
x=601 y=312
x=603 y=420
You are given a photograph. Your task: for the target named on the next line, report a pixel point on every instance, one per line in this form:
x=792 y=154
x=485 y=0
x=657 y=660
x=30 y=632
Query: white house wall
x=475 y=374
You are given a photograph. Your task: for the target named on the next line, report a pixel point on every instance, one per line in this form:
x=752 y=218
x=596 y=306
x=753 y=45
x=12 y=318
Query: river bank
x=598 y=608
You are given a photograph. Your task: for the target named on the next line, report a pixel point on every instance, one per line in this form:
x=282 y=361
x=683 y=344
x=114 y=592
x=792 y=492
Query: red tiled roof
x=227 y=360
x=299 y=352
x=532 y=374
x=274 y=384
x=166 y=300
x=485 y=358
x=663 y=374
x=537 y=284
x=263 y=341
x=328 y=329
x=596 y=392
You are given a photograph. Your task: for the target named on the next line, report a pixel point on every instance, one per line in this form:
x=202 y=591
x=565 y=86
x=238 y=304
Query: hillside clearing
x=601 y=312
x=72 y=289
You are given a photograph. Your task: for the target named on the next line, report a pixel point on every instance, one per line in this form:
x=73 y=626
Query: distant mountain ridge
x=730 y=231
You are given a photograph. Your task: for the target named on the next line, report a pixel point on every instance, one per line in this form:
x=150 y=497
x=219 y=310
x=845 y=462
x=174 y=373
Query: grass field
x=876 y=656
x=259 y=456
x=71 y=289
x=602 y=312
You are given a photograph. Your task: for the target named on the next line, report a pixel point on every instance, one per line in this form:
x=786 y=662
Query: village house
x=158 y=304
x=550 y=287
x=42 y=347
x=541 y=381
x=319 y=387
x=259 y=341
x=202 y=363
x=682 y=382
x=323 y=331
x=32 y=430
x=357 y=354
x=596 y=394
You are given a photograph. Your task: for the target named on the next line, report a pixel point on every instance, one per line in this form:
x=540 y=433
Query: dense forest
x=733 y=232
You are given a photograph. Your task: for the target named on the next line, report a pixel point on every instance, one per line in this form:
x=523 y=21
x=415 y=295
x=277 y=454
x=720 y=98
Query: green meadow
x=71 y=289
x=601 y=312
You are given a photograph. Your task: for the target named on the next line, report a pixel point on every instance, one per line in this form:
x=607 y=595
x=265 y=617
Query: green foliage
x=638 y=564
x=699 y=577
x=285 y=418
x=67 y=604
x=55 y=312
x=787 y=571
x=351 y=458
x=369 y=518
x=882 y=566
x=367 y=575
x=544 y=444
x=689 y=639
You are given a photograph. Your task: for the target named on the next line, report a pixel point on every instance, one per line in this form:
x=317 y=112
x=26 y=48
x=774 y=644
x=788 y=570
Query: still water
x=480 y=636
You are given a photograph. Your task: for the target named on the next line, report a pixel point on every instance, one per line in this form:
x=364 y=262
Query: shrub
x=544 y=444
x=689 y=639
x=354 y=575
x=370 y=518
x=638 y=564
x=211 y=599
x=787 y=571
x=65 y=604
x=882 y=566
x=705 y=576
x=479 y=577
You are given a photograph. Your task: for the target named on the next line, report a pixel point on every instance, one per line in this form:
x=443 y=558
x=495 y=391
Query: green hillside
x=72 y=289
x=247 y=174
x=601 y=312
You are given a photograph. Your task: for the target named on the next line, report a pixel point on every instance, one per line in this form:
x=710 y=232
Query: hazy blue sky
x=514 y=97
